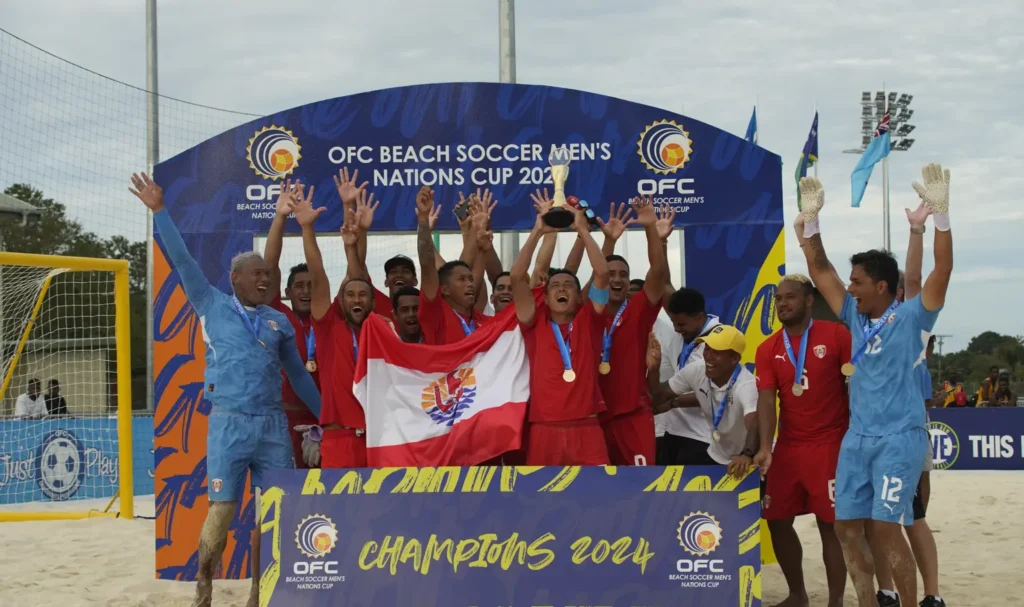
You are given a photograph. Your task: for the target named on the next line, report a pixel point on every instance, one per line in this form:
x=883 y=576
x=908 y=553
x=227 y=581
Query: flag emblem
x=819 y=351
x=448 y=397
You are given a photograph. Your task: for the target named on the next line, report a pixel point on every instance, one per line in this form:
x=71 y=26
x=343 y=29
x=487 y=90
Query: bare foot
x=204 y=594
x=795 y=601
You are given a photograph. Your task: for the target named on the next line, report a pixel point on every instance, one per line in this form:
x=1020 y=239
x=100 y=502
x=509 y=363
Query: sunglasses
x=589 y=212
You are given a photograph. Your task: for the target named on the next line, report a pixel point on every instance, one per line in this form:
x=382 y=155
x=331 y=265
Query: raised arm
x=483 y=240
x=197 y=288
x=300 y=379
x=348 y=191
x=522 y=295
x=542 y=265
x=320 y=297
x=935 y=195
x=666 y=223
x=425 y=243
x=284 y=207
x=822 y=273
x=599 y=278
x=654 y=283
x=915 y=251
x=613 y=229
x=359 y=221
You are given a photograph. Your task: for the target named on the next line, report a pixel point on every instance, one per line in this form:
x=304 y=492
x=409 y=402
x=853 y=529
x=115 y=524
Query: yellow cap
x=724 y=338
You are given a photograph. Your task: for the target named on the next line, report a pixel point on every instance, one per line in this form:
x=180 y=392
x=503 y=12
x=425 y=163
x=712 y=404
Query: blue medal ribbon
x=688 y=348
x=720 y=411
x=798 y=363
x=563 y=345
x=870 y=331
x=467 y=328
x=606 y=341
x=355 y=345
x=310 y=345
x=253 y=328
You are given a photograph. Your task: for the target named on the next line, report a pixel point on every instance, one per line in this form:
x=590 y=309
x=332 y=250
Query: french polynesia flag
x=455 y=405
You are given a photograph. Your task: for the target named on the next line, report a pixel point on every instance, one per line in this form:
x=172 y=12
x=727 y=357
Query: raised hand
x=541 y=201
x=484 y=237
x=580 y=223
x=666 y=217
x=146 y=190
x=424 y=204
x=305 y=214
x=434 y=215
x=364 y=209
x=350 y=230
x=618 y=220
x=935 y=191
x=288 y=198
x=812 y=197
x=644 y=208
x=653 y=357
x=918 y=216
x=346 y=185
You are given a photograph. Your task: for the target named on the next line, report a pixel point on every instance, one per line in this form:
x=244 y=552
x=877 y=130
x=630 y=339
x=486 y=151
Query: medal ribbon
x=871 y=331
x=253 y=328
x=564 y=347
x=467 y=329
x=798 y=363
x=720 y=411
x=355 y=345
x=688 y=348
x=310 y=345
x=606 y=341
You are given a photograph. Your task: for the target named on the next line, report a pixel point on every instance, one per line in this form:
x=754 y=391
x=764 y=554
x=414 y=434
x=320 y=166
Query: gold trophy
x=559 y=217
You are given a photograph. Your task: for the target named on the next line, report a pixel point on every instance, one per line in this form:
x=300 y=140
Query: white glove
x=311 y=436
x=935 y=194
x=812 y=198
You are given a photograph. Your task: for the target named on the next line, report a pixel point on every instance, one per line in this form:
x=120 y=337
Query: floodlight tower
x=873 y=107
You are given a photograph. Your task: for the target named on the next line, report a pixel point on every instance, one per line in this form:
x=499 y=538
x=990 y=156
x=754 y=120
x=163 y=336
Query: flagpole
x=885 y=188
x=816 y=161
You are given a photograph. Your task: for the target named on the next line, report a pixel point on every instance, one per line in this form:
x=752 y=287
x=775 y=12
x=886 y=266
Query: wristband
x=598 y=296
x=941 y=221
x=811 y=228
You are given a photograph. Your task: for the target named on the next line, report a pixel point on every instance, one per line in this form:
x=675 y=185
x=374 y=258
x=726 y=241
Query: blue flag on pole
x=877 y=150
x=751 y=135
x=808 y=157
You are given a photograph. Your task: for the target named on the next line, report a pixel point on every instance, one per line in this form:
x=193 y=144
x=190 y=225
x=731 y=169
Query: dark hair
x=348 y=281
x=494 y=283
x=931 y=344
x=556 y=271
x=446 y=270
x=879 y=266
x=612 y=258
x=637 y=282
x=990 y=369
x=405 y=291
x=686 y=301
x=295 y=271
x=35 y=380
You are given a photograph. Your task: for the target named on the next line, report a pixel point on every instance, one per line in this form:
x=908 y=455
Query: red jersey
x=552 y=399
x=625 y=387
x=336 y=354
x=302 y=326
x=441 y=324
x=382 y=305
x=822 y=413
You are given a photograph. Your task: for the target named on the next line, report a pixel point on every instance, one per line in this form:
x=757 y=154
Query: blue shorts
x=877 y=476
x=240 y=442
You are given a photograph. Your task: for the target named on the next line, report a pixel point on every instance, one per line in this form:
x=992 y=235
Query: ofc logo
x=664 y=147
x=315 y=537
x=273 y=152
x=699 y=534
x=61 y=465
x=945 y=445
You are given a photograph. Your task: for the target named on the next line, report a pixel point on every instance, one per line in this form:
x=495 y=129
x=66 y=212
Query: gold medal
x=797 y=389
x=716 y=435
x=569 y=375
x=848 y=369
x=311 y=366
x=605 y=368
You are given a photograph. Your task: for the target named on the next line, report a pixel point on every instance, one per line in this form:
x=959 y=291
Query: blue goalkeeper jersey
x=885 y=389
x=241 y=375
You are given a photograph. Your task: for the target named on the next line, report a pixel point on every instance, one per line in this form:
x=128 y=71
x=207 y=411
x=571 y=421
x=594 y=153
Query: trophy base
x=559 y=218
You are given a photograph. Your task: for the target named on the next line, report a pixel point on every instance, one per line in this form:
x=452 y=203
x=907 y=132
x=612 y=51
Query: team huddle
x=608 y=386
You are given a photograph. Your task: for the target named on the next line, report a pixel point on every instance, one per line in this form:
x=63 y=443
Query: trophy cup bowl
x=559 y=217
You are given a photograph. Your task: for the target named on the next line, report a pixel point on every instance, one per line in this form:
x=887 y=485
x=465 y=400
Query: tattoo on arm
x=816 y=253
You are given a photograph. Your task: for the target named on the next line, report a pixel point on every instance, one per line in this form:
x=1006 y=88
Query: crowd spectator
x=31 y=404
x=988 y=385
x=955 y=395
x=1002 y=395
x=55 y=403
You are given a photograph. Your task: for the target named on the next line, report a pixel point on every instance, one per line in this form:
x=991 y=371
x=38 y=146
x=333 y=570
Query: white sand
x=110 y=563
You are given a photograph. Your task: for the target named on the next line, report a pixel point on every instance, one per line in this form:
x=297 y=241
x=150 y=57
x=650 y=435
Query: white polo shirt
x=26 y=406
x=741 y=401
x=670 y=342
x=685 y=422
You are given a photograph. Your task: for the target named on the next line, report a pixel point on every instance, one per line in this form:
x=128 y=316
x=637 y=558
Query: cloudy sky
x=709 y=60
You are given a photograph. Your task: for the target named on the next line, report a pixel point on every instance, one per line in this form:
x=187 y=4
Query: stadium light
x=874 y=105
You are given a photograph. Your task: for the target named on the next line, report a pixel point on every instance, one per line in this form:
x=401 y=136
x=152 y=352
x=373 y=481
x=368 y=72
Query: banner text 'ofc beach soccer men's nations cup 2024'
x=454 y=137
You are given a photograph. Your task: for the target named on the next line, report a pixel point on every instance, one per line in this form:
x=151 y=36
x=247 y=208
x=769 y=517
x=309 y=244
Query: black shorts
x=919 y=509
x=680 y=451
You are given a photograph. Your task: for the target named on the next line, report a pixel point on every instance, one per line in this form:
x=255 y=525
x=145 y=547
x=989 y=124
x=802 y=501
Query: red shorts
x=299 y=417
x=630 y=438
x=802 y=480
x=341 y=448
x=574 y=443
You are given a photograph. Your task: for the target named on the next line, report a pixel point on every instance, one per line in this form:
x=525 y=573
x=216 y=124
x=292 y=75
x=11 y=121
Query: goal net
x=66 y=446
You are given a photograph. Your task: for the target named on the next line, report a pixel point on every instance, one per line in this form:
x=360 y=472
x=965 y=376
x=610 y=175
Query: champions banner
x=454 y=137
x=494 y=536
x=977 y=439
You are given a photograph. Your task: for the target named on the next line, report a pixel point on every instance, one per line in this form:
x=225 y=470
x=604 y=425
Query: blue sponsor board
x=491 y=536
x=977 y=439
x=70 y=458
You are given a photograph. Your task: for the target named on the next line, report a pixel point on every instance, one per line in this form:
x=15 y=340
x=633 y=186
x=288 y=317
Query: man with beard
x=447 y=294
x=815 y=414
x=562 y=336
x=337 y=324
x=406 y=306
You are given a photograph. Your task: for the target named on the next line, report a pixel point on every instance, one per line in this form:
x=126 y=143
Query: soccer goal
x=65 y=398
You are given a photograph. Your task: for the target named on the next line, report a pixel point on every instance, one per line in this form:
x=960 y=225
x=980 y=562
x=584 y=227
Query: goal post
x=67 y=317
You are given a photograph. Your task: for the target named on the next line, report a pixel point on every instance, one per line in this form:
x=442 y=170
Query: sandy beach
x=109 y=563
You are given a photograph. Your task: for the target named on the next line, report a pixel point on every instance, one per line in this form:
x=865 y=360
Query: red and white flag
x=455 y=405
